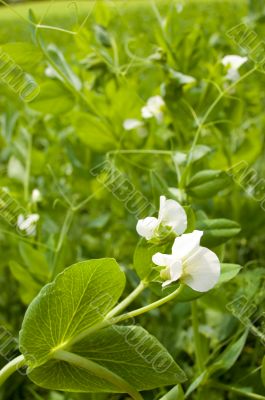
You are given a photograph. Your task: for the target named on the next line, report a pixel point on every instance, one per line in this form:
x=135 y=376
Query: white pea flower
x=28 y=224
x=233 y=62
x=195 y=266
x=36 y=196
x=171 y=214
x=130 y=124
x=154 y=108
x=50 y=72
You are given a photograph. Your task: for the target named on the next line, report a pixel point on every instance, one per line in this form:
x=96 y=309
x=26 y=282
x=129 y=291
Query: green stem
x=111 y=321
x=127 y=301
x=98 y=371
x=11 y=367
x=232 y=389
x=197 y=336
x=150 y=307
x=204 y=118
x=64 y=231
x=28 y=166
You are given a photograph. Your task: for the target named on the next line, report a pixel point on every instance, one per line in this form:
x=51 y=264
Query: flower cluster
x=192 y=264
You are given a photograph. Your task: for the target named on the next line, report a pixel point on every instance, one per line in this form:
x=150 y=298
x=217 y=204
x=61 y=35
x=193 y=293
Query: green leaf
x=60 y=61
x=53 y=99
x=228 y=272
x=217 y=231
x=25 y=54
x=128 y=351
x=142 y=258
x=102 y=35
x=35 y=262
x=190 y=218
x=28 y=287
x=174 y=394
x=227 y=359
x=79 y=298
x=93 y=132
x=208 y=183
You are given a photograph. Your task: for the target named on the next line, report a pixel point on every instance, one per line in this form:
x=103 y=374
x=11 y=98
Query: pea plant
x=132 y=200
x=71 y=337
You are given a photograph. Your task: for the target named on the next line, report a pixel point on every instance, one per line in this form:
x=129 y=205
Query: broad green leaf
x=79 y=298
x=217 y=231
x=92 y=131
x=208 y=183
x=53 y=98
x=128 y=351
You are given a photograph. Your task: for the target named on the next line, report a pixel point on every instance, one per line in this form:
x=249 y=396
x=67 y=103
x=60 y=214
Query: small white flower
x=154 y=108
x=171 y=214
x=28 y=223
x=50 y=72
x=233 y=62
x=130 y=124
x=36 y=196
x=196 y=266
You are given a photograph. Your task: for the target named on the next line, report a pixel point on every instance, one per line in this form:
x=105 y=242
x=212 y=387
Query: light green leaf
x=142 y=259
x=217 y=231
x=60 y=61
x=208 y=183
x=35 y=262
x=53 y=98
x=128 y=351
x=174 y=394
x=28 y=287
x=93 y=132
x=25 y=54
x=228 y=272
x=79 y=298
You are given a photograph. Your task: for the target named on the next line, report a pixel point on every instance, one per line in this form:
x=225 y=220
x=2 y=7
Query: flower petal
x=171 y=213
x=186 y=244
x=163 y=260
x=131 y=123
x=234 y=61
x=146 y=113
x=176 y=270
x=202 y=270
x=146 y=227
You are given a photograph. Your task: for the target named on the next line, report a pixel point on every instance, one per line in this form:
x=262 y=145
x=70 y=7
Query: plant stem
x=204 y=118
x=197 y=336
x=99 y=371
x=27 y=169
x=128 y=300
x=111 y=321
x=65 y=228
x=150 y=307
x=11 y=367
x=232 y=389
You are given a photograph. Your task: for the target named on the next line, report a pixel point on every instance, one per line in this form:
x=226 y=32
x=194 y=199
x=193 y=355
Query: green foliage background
x=125 y=53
